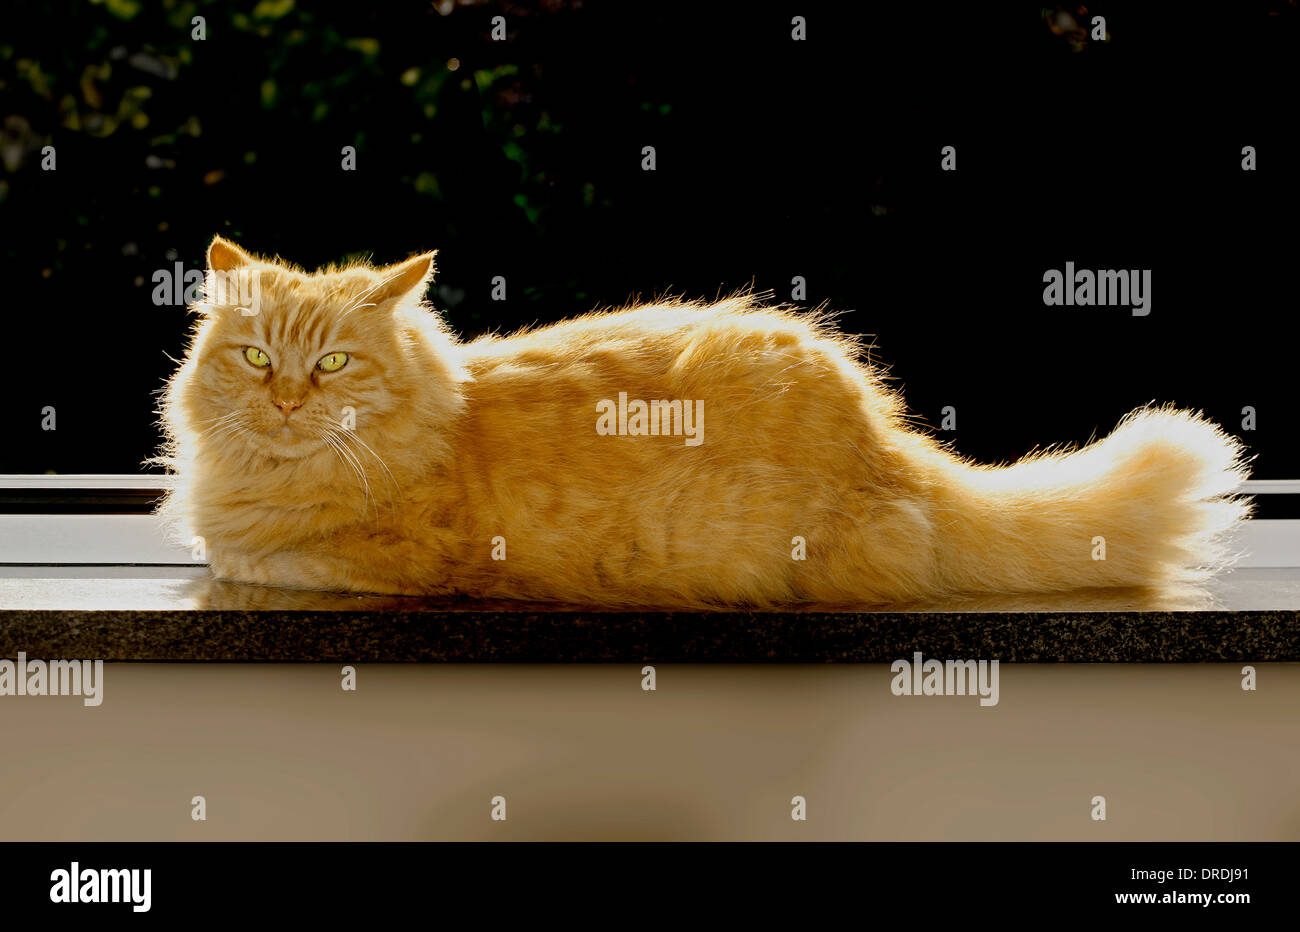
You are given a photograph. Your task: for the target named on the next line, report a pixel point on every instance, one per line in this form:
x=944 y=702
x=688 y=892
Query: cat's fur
x=463 y=450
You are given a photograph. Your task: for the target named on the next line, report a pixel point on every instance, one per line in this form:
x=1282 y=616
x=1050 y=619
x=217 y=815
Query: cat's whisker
x=391 y=480
x=342 y=457
x=218 y=430
x=217 y=423
x=330 y=437
x=372 y=291
x=338 y=452
x=344 y=437
x=224 y=417
x=225 y=427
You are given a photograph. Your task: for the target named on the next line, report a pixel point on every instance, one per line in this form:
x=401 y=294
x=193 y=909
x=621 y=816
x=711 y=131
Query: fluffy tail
x=1150 y=504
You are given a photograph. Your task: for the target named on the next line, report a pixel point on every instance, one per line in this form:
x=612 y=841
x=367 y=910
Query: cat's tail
x=1150 y=504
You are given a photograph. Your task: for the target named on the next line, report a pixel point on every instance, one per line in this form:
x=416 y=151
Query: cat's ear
x=405 y=277
x=225 y=256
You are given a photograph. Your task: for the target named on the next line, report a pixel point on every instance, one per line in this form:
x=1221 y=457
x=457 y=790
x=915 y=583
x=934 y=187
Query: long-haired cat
x=675 y=454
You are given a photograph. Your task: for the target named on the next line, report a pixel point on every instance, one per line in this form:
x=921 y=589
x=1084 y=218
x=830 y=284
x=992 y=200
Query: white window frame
x=89 y=539
x=114 y=539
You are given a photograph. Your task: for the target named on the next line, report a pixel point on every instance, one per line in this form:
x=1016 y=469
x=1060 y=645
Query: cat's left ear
x=404 y=277
x=225 y=256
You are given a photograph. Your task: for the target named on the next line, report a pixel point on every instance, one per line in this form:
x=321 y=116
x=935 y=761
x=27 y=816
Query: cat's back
x=664 y=335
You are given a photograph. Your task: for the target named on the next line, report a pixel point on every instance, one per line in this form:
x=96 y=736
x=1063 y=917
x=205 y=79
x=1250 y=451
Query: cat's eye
x=256 y=357
x=332 y=362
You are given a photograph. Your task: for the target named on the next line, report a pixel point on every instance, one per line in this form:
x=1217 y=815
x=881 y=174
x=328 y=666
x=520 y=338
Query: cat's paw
x=235 y=567
x=300 y=570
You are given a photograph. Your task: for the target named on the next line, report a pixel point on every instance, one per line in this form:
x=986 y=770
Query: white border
x=146 y=481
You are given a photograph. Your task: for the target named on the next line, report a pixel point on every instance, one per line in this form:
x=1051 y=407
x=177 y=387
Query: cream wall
x=281 y=752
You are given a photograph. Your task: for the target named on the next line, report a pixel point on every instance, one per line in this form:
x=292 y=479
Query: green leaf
x=123 y=9
x=272 y=9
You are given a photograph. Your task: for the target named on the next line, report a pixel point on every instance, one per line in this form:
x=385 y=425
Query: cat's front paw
x=299 y=570
x=236 y=567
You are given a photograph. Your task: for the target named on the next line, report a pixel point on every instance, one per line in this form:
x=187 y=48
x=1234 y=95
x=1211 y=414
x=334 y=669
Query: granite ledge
x=181 y=614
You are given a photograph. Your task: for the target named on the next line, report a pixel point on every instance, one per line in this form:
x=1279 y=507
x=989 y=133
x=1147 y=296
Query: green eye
x=256 y=357
x=332 y=362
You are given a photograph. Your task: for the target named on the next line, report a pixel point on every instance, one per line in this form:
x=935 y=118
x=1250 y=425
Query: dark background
x=775 y=158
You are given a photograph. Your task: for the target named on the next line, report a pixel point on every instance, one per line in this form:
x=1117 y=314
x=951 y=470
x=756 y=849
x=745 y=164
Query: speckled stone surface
x=180 y=613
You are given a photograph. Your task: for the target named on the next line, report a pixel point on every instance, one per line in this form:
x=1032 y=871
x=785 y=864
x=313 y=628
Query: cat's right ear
x=405 y=277
x=225 y=256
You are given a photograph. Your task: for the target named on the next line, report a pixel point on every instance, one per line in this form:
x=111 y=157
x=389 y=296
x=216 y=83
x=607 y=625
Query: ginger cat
x=337 y=436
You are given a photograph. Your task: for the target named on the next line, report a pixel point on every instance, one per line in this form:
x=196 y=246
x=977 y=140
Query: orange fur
x=458 y=447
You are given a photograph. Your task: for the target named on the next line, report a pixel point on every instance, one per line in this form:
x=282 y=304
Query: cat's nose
x=287 y=406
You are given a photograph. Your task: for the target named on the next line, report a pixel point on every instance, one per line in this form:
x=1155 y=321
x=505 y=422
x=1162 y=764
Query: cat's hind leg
x=870 y=551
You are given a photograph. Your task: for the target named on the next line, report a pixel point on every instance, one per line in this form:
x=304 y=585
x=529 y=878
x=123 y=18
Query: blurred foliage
x=211 y=111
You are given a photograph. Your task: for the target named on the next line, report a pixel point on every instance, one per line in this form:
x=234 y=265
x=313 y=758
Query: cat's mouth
x=290 y=441
x=282 y=431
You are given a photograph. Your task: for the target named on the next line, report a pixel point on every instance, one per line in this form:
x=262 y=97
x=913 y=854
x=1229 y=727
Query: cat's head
x=284 y=360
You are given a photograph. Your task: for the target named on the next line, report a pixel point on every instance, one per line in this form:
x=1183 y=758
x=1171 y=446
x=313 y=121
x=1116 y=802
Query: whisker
x=337 y=451
x=338 y=436
x=391 y=480
x=370 y=292
x=332 y=438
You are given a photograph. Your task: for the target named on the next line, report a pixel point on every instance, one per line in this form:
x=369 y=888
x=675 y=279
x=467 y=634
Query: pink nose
x=287 y=406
